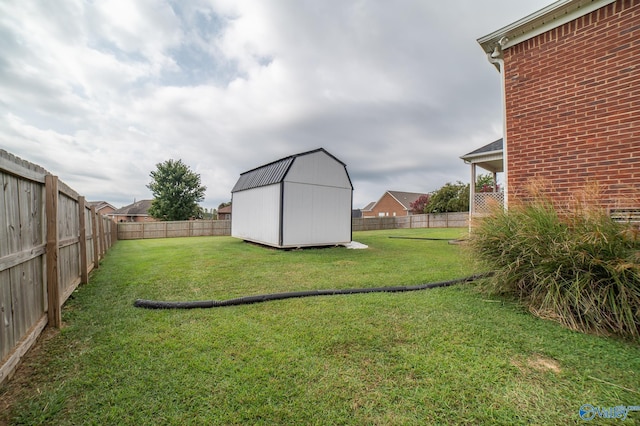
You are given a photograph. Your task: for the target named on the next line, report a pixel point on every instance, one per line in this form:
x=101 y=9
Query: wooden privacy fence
x=206 y=228
x=50 y=240
x=187 y=228
x=432 y=220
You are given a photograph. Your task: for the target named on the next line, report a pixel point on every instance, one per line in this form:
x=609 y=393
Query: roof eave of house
x=545 y=19
x=481 y=154
x=404 y=206
x=395 y=198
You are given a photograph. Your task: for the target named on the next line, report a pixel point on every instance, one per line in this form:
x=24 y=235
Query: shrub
x=575 y=265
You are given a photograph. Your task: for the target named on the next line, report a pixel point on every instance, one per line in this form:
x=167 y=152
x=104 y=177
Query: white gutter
x=548 y=18
x=467 y=158
x=496 y=59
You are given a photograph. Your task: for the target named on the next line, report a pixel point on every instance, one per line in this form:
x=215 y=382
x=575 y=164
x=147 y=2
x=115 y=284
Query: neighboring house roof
x=271 y=173
x=139 y=208
x=545 y=19
x=495 y=146
x=405 y=198
x=99 y=205
x=224 y=210
x=369 y=207
x=489 y=157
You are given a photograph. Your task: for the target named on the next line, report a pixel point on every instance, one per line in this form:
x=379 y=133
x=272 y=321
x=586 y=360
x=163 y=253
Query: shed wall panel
x=316 y=215
x=256 y=215
x=318 y=169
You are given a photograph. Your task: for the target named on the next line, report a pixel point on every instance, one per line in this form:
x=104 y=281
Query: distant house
x=392 y=203
x=136 y=212
x=368 y=208
x=224 y=213
x=297 y=201
x=571 y=90
x=490 y=158
x=102 y=207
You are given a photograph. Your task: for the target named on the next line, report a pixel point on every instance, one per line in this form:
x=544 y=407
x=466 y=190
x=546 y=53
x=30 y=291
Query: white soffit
x=548 y=18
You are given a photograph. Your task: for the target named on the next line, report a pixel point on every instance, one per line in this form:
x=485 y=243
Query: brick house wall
x=387 y=206
x=572 y=98
x=393 y=203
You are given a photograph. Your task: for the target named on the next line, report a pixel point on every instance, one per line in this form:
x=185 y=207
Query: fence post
x=84 y=274
x=114 y=231
x=107 y=234
x=102 y=239
x=52 y=247
x=94 y=230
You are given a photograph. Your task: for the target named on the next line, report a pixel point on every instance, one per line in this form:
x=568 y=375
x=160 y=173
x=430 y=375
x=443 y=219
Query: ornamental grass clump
x=574 y=265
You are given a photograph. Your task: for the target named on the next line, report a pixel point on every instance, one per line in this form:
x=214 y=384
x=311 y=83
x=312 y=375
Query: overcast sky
x=99 y=92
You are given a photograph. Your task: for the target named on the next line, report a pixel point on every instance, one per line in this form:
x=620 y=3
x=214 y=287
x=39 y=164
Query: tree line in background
x=452 y=197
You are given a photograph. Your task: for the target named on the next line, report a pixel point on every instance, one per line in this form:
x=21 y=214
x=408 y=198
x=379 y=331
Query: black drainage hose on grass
x=457 y=241
x=421 y=238
x=247 y=300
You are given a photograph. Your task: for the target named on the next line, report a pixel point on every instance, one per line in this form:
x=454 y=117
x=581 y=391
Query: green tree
x=484 y=183
x=452 y=197
x=176 y=191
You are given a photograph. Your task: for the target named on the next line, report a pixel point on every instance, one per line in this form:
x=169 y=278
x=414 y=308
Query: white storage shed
x=302 y=200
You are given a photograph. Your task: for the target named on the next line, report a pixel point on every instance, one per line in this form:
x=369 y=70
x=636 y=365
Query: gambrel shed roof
x=274 y=172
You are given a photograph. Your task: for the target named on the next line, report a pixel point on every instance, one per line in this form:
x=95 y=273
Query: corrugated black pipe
x=247 y=300
x=421 y=238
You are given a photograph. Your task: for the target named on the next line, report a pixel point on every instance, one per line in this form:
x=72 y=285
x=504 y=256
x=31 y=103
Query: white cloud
x=100 y=92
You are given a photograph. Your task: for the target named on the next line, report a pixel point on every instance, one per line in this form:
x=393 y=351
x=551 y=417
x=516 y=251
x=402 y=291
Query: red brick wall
x=388 y=206
x=573 y=106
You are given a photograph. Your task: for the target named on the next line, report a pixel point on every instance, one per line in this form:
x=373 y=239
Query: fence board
x=101 y=244
x=53 y=248
x=12 y=207
x=88 y=220
x=17 y=258
x=177 y=229
x=96 y=237
x=11 y=363
x=4 y=223
x=19 y=167
x=206 y=228
x=82 y=241
x=441 y=220
x=196 y=228
x=40 y=265
x=7 y=335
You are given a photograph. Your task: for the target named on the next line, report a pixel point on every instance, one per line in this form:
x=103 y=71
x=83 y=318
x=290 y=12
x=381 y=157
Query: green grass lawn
x=442 y=356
